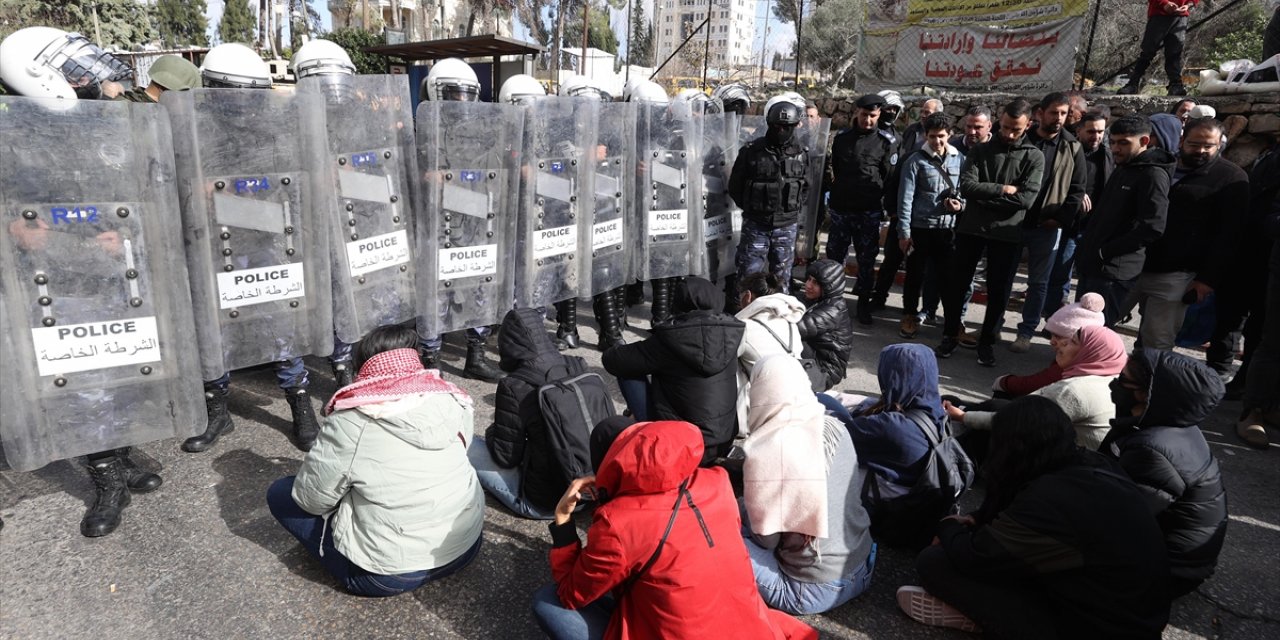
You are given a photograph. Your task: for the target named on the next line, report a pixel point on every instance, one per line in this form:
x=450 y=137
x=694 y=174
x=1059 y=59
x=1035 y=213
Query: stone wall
x=1252 y=122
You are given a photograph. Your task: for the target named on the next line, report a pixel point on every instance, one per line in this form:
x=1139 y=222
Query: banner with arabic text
x=891 y=15
x=1035 y=58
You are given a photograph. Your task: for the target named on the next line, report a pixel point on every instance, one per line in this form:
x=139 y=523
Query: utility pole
x=586 y=9
x=764 y=42
x=626 y=82
x=706 y=47
x=97 y=28
x=799 y=28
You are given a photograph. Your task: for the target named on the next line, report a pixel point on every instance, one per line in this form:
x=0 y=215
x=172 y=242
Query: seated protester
x=1064 y=323
x=1090 y=361
x=809 y=537
x=825 y=327
x=1061 y=547
x=388 y=479
x=651 y=569
x=770 y=318
x=515 y=461
x=1161 y=399
x=687 y=369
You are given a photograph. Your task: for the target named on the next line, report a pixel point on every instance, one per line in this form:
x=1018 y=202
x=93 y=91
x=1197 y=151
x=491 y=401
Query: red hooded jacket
x=701 y=586
x=1159 y=8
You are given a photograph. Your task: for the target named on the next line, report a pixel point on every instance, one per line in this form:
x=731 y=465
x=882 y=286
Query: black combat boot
x=567 y=318
x=112 y=496
x=620 y=303
x=607 y=312
x=305 y=427
x=136 y=479
x=635 y=294
x=864 y=309
x=661 y=309
x=342 y=373
x=430 y=359
x=477 y=367
x=215 y=404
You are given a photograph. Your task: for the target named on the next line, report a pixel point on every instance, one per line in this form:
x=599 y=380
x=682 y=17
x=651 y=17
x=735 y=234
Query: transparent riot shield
x=814 y=139
x=722 y=219
x=613 y=232
x=668 y=203
x=97 y=322
x=257 y=198
x=555 y=210
x=373 y=160
x=468 y=155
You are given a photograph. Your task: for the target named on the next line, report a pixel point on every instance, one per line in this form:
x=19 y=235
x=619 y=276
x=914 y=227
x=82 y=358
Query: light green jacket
x=394 y=483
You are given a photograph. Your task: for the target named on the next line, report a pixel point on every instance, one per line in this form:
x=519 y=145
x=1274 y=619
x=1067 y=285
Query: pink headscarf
x=1101 y=353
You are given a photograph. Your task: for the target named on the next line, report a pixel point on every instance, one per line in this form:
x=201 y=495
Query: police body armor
x=373 y=160
x=814 y=139
x=777 y=185
x=257 y=208
x=555 y=199
x=97 y=318
x=613 y=231
x=468 y=155
x=722 y=221
x=668 y=203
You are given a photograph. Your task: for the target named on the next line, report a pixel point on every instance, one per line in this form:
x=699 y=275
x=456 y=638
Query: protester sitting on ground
x=687 y=369
x=515 y=461
x=770 y=318
x=809 y=536
x=1090 y=360
x=1062 y=546
x=825 y=327
x=1064 y=323
x=388 y=480
x=664 y=556
x=1160 y=400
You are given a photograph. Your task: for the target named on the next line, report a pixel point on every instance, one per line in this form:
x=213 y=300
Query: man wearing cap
x=858 y=177
x=168 y=73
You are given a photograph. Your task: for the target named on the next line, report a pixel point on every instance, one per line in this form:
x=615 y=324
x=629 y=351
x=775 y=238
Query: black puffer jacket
x=825 y=329
x=1166 y=455
x=692 y=361
x=518 y=436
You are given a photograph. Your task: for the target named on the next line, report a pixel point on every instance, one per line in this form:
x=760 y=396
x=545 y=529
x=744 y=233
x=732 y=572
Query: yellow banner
x=886 y=16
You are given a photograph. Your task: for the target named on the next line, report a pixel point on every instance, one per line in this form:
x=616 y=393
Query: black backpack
x=572 y=404
x=911 y=519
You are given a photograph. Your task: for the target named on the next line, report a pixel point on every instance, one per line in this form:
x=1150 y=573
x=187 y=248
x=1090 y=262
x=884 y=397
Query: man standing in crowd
x=1091 y=131
x=1166 y=29
x=1208 y=199
x=999 y=183
x=977 y=129
x=1055 y=209
x=858 y=177
x=1183 y=109
x=1127 y=219
x=913 y=135
x=1078 y=107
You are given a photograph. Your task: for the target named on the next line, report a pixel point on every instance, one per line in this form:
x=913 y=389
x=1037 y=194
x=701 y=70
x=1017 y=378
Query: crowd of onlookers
x=740 y=487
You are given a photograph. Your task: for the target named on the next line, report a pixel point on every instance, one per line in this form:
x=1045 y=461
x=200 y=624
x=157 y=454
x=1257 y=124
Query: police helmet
x=321 y=57
x=647 y=91
x=576 y=86
x=451 y=79
x=734 y=97
x=235 y=66
x=521 y=89
x=784 y=113
x=43 y=62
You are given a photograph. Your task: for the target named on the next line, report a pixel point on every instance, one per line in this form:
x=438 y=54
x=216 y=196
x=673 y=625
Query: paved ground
x=202 y=557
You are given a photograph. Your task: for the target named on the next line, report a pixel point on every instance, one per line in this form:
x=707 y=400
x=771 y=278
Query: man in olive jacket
x=999 y=182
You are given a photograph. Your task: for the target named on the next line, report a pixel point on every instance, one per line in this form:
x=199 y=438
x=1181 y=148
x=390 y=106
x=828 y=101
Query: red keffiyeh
x=388 y=376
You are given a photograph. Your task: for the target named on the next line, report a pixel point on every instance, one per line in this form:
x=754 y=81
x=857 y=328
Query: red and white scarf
x=389 y=376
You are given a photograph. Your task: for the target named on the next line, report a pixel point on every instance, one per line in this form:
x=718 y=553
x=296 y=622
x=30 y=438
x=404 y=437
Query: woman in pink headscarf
x=1090 y=360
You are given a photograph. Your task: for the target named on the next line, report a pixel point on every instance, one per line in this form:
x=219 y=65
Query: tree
x=640 y=42
x=830 y=39
x=303 y=20
x=1243 y=42
x=238 y=23
x=181 y=22
x=787 y=10
x=600 y=33
x=355 y=41
x=124 y=24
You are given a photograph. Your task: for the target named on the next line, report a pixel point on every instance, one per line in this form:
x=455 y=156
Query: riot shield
x=613 y=232
x=96 y=319
x=814 y=139
x=555 y=221
x=256 y=199
x=468 y=155
x=722 y=221
x=668 y=204
x=373 y=160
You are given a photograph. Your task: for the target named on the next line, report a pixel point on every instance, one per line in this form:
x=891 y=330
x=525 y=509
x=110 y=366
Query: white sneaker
x=925 y=608
x=1021 y=345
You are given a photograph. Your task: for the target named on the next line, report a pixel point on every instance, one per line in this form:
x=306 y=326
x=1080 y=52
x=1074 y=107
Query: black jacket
x=1207 y=210
x=988 y=211
x=1062 y=188
x=860 y=169
x=1129 y=217
x=825 y=327
x=1165 y=453
x=770 y=183
x=518 y=436
x=692 y=363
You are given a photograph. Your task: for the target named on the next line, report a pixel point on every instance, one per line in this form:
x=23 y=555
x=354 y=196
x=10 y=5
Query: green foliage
x=829 y=42
x=181 y=22
x=125 y=24
x=640 y=42
x=303 y=19
x=787 y=10
x=600 y=33
x=238 y=24
x=1243 y=42
x=354 y=41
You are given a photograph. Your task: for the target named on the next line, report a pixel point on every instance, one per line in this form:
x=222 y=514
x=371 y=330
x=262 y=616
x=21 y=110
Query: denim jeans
x=290 y=374
x=584 y=623
x=1042 y=253
x=636 y=393
x=310 y=529
x=797 y=598
x=503 y=484
x=1059 y=290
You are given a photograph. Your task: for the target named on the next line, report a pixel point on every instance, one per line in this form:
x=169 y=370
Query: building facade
x=733 y=29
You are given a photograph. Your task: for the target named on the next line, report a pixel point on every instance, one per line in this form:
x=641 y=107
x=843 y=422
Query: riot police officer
x=734 y=97
x=770 y=183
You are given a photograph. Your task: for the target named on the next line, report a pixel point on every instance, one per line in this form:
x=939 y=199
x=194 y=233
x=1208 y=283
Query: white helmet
x=576 y=86
x=695 y=102
x=893 y=106
x=521 y=89
x=734 y=97
x=43 y=62
x=785 y=96
x=235 y=66
x=321 y=57
x=647 y=91
x=451 y=79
